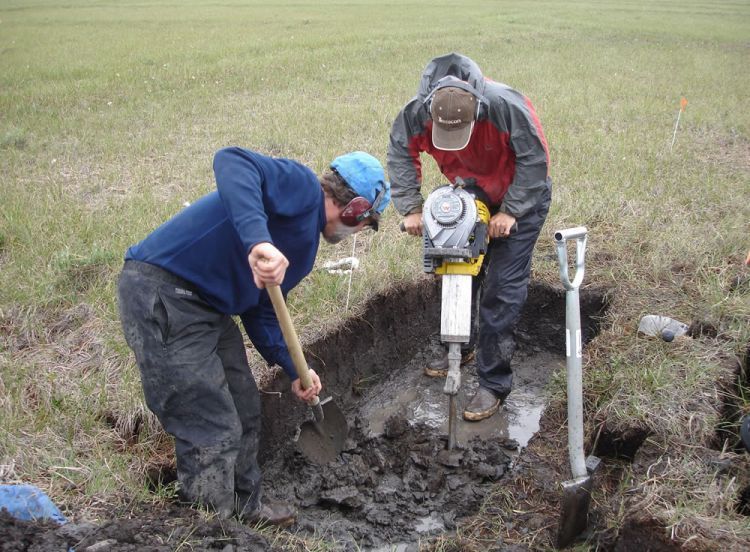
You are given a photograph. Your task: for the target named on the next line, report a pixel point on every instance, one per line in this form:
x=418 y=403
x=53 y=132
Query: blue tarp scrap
x=29 y=503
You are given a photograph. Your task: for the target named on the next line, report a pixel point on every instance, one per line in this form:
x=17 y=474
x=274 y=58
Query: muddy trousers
x=197 y=381
x=500 y=290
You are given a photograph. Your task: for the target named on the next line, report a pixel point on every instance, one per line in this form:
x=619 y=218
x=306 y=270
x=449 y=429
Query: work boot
x=438 y=366
x=483 y=404
x=272 y=512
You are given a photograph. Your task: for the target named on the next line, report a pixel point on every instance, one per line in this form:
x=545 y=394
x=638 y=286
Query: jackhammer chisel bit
x=452 y=385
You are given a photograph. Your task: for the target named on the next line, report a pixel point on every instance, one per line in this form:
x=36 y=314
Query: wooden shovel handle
x=290 y=336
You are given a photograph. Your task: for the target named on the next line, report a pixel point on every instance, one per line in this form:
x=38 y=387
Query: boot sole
x=484 y=414
x=433 y=373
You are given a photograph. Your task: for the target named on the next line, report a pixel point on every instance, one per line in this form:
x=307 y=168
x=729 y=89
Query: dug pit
x=391 y=486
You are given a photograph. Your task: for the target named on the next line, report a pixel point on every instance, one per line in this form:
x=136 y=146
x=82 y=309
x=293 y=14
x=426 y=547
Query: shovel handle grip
x=580 y=235
x=290 y=336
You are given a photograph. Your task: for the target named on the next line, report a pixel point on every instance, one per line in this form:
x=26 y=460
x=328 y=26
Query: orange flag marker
x=683 y=105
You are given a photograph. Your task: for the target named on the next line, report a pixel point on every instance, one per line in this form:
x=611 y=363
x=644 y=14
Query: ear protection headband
x=359 y=209
x=455 y=82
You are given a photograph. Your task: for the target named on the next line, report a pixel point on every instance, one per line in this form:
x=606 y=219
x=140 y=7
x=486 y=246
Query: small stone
x=395 y=427
x=101 y=546
x=344 y=496
x=419 y=460
x=510 y=444
x=350 y=445
x=455 y=483
x=76 y=531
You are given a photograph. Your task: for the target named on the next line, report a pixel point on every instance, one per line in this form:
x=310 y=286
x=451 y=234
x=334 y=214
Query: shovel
x=577 y=491
x=322 y=439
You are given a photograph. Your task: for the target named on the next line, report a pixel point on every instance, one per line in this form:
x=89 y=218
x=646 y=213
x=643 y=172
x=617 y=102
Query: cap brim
x=451 y=139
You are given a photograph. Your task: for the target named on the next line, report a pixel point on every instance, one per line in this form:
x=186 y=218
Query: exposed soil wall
x=392 y=328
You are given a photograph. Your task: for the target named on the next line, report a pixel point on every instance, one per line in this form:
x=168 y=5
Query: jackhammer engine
x=455 y=238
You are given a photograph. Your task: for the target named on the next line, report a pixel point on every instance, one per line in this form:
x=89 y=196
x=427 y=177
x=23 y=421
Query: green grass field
x=110 y=112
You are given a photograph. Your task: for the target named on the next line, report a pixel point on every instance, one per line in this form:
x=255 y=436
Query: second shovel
x=576 y=497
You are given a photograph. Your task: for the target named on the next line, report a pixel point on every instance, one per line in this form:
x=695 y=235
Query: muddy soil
x=395 y=484
x=151 y=530
x=392 y=486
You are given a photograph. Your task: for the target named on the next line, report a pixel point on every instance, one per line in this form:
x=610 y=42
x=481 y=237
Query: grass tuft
x=13 y=138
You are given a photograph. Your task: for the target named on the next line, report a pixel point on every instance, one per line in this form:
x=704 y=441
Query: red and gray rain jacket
x=507 y=154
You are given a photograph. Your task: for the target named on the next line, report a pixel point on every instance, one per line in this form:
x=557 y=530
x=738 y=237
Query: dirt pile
x=153 y=530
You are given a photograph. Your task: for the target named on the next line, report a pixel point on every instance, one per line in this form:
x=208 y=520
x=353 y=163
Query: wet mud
x=395 y=483
x=150 y=530
x=393 y=486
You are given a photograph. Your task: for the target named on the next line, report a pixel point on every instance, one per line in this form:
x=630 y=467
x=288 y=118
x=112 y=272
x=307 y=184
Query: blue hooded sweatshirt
x=257 y=199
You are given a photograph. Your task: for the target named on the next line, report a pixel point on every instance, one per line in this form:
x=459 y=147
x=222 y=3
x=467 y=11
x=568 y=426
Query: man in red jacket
x=488 y=135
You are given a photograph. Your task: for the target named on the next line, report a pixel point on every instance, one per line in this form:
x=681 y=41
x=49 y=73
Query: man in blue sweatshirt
x=181 y=285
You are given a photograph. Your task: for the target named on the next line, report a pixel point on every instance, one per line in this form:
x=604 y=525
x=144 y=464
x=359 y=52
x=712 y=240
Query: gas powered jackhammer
x=455 y=239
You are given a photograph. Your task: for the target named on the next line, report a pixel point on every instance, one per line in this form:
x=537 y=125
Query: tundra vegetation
x=111 y=112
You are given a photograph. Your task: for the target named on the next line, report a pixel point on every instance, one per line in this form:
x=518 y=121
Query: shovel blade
x=576 y=499
x=322 y=441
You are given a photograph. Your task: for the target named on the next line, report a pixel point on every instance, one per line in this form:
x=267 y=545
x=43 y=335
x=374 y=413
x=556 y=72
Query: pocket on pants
x=160 y=316
x=182 y=314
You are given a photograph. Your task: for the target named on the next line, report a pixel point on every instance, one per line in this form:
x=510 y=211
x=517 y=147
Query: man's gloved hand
x=307 y=394
x=268 y=264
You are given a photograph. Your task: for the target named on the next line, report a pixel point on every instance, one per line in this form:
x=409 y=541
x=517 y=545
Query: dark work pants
x=500 y=291
x=197 y=381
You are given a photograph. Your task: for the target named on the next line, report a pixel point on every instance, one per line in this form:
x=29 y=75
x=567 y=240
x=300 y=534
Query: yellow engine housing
x=472 y=266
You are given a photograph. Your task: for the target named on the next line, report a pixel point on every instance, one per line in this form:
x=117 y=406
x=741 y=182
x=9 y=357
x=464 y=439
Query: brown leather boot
x=272 y=512
x=438 y=366
x=483 y=405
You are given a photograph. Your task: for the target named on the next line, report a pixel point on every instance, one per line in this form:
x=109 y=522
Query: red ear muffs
x=357 y=210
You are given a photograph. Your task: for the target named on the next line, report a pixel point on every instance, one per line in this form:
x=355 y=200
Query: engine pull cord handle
x=460 y=182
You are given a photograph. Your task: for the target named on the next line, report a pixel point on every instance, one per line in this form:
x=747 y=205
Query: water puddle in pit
x=420 y=399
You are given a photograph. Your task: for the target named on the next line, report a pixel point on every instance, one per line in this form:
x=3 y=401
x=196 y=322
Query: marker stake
x=683 y=104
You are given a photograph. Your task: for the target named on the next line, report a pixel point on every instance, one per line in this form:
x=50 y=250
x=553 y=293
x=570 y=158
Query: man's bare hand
x=413 y=224
x=268 y=265
x=307 y=394
x=501 y=224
